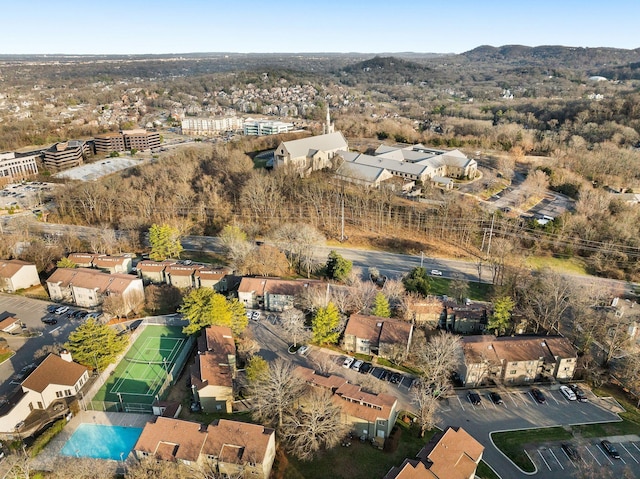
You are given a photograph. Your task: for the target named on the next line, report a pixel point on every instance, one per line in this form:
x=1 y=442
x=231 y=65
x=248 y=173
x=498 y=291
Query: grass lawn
x=565 y=265
x=513 y=443
x=477 y=291
x=485 y=472
x=6 y=355
x=360 y=460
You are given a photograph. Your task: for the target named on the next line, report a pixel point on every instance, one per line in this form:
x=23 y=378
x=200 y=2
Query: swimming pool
x=101 y=442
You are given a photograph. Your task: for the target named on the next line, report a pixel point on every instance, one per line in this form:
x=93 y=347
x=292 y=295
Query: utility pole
x=421 y=258
x=342 y=219
x=493 y=218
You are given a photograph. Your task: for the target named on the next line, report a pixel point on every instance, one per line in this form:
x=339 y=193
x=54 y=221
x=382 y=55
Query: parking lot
x=24 y=196
x=31 y=348
x=555 y=462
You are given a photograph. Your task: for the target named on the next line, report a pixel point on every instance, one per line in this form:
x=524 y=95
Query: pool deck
x=46 y=459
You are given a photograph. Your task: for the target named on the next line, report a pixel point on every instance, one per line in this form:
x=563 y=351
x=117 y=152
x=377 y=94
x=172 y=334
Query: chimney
x=66 y=355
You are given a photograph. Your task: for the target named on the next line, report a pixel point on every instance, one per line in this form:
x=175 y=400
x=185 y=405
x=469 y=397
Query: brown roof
x=153 y=266
x=363 y=405
x=215 y=345
x=287 y=287
x=7 y=322
x=81 y=258
x=180 y=270
x=478 y=349
x=9 y=267
x=328 y=382
x=211 y=274
x=252 y=285
x=561 y=347
x=517 y=349
x=237 y=442
x=92 y=279
x=454 y=455
x=105 y=260
x=410 y=469
x=169 y=439
x=376 y=329
x=54 y=370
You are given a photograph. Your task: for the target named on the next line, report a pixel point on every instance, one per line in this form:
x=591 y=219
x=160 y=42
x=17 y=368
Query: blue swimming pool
x=101 y=442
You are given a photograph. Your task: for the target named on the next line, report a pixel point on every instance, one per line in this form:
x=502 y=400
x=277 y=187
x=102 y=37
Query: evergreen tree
x=417 y=281
x=381 y=306
x=257 y=369
x=325 y=325
x=204 y=307
x=66 y=263
x=500 y=321
x=337 y=267
x=165 y=242
x=95 y=345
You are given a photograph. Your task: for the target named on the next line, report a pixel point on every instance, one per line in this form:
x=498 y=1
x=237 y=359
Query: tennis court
x=146 y=367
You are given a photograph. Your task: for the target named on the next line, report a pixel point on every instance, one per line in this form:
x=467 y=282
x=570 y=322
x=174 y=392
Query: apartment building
x=12 y=166
x=211 y=126
x=124 y=140
x=253 y=127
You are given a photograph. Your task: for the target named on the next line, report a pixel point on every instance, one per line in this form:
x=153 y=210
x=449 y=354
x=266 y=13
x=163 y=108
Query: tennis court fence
x=172 y=375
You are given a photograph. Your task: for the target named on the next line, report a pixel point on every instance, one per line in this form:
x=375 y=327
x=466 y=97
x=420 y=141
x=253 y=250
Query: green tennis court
x=145 y=368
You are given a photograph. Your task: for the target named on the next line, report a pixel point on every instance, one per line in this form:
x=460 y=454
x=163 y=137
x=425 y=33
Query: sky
x=258 y=26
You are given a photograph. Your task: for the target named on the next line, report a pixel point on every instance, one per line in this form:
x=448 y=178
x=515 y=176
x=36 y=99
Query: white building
x=16 y=274
x=12 y=166
x=210 y=126
x=266 y=127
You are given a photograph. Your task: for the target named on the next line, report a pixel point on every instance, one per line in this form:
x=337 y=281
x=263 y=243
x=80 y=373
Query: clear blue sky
x=162 y=26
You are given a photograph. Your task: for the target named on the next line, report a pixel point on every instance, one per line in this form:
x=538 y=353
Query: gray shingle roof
x=301 y=147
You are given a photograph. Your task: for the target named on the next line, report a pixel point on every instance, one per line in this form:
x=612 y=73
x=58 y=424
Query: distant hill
x=390 y=70
x=554 y=56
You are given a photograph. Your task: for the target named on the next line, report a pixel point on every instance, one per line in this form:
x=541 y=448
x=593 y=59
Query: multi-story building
x=210 y=126
x=385 y=337
x=16 y=274
x=12 y=166
x=138 y=139
x=516 y=360
x=266 y=127
x=66 y=154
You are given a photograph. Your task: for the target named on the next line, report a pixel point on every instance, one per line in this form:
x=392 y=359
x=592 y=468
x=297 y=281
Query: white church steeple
x=328 y=126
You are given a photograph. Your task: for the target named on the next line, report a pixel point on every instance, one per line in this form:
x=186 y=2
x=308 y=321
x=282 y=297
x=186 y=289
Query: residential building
x=66 y=154
x=211 y=126
x=16 y=274
x=371 y=416
x=89 y=288
x=181 y=275
x=82 y=260
x=226 y=447
x=451 y=454
x=16 y=166
x=265 y=127
x=271 y=294
x=153 y=271
x=470 y=318
x=516 y=359
x=426 y=311
x=214 y=371
x=9 y=323
x=385 y=337
x=55 y=379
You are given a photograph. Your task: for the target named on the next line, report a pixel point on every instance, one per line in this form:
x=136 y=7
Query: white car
x=356 y=366
x=255 y=316
x=348 y=362
x=436 y=272
x=568 y=393
x=303 y=350
x=62 y=310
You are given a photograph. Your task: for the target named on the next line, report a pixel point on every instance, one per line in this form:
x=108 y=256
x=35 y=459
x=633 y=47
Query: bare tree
x=275 y=395
x=363 y=294
x=313 y=297
x=427 y=404
x=236 y=246
x=298 y=241
x=316 y=424
x=266 y=260
x=83 y=468
x=293 y=326
x=437 y=358
x=545 y=299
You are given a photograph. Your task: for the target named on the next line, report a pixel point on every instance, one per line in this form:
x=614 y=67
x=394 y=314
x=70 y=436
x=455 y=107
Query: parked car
x=580 y=394
x=538 y=395
x=303 y=350
x=79 y=314
x=571 y=452
x=610 y=449
x=386 y=375
x=395 y=378
x=50 y=321
x=474 y=398
x=436 y=272
x=52 y=308
x=256 y=315
x=348 y=362
x=366 y=368
x=568 y=393
x=61 y=310
x=495 y=398
x=356 y=365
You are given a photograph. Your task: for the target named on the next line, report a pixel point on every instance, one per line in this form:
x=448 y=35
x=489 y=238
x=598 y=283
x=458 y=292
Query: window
x=513 y=371
x=58 y=394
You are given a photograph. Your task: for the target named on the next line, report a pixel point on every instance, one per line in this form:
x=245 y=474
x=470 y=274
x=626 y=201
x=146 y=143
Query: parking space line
x=545 y=461
x=623 y=447
x=55 y=329
x=594 y=457
x=554 y=397
x=634 y=445
x=556 y=458
x=533 y=399
x=604 y=453
x=513 y=400
x=567 y=456
x=458 y=398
